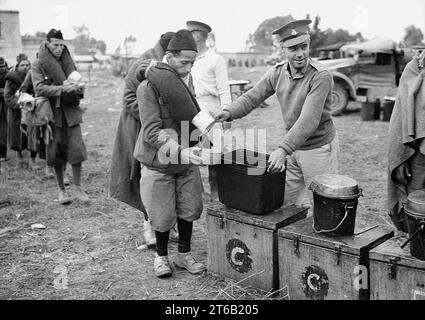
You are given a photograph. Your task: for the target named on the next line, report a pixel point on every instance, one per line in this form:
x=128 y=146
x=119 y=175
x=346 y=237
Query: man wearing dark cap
x=50 y=74
x=211 y=84
x=303 y=88
x=17 y=140
x=3 y=111
x=125 y=169
x=171 y=190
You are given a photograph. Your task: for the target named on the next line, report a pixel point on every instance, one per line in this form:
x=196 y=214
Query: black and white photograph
x=220 y=158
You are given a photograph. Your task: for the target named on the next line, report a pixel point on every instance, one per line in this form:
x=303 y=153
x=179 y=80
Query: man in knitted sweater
x=303 y=88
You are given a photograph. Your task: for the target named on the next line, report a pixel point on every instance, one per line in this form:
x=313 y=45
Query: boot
x=186 y=261
x=63 y=197
x=32 y=165
x=48 y=171
x=161 y=266
x=149 y=235
x=79 y=194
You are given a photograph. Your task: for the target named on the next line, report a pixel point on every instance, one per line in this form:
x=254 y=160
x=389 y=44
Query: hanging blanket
x=407 y=128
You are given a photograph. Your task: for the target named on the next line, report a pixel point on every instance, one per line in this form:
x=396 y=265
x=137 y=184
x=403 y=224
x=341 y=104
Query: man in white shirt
x=211 y=83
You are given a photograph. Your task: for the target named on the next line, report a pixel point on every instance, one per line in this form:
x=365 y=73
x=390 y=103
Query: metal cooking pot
x=415 y=205
x=335 y=186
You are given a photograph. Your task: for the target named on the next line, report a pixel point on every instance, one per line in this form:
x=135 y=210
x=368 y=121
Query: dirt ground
x=91 y=251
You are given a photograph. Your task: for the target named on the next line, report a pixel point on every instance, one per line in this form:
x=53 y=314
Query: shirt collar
x=199 y=56
x=300 y=74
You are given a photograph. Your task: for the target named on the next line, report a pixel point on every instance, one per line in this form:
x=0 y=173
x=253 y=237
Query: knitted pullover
x=305 y=101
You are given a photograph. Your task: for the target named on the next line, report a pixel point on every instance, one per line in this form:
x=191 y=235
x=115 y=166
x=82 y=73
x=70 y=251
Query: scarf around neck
x=16 y=77
x=57 y=69
x=172 y=90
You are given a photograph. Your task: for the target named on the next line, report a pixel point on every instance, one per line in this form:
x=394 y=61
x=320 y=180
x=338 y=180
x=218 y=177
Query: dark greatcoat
x=125 y=169
x=3 y=111
x=16 y=137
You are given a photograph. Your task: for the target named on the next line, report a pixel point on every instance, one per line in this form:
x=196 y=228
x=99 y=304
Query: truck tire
x=339 y=99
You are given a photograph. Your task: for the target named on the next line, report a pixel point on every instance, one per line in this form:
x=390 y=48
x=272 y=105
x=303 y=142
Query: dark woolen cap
x=21 y=57
x=2 y=62
x=165 y=39
x=182 y=40
x=56 y=34
x=198 y=26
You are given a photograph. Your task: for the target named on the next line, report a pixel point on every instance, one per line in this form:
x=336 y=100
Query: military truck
x=364 y=66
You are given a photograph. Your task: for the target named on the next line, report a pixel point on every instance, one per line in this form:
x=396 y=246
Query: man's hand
x=277 y=161
x=402 y=173
x=222 y=116
x=70 y=88
x=191 y=156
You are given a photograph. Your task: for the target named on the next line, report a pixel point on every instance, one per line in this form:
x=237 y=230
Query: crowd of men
x=164 y=89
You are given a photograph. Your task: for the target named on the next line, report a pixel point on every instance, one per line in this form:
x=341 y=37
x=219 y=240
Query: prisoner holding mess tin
x=303 y=87
x=171 y=192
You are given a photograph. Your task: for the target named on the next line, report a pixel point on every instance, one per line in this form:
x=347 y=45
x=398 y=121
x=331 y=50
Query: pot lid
x=335 y=185
x=415 y=204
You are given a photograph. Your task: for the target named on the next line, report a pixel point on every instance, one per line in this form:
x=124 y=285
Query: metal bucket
x=387 y=108
x=370 y=111
x=415 y=214
x=335 y=204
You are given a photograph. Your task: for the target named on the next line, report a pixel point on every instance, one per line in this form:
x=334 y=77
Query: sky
x=231 y=20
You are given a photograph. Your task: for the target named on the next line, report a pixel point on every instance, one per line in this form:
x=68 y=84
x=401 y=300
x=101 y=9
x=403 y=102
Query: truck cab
x=363 y=66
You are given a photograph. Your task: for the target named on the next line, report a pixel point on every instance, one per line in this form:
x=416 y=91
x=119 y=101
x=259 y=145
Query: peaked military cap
x=198 y=26
x=293 y=33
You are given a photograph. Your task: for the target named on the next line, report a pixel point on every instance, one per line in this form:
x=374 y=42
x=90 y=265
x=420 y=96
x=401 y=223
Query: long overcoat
x=125 y=169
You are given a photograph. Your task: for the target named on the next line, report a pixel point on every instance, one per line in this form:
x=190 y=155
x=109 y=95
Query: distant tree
x=41 y=34
x=262 y=39
x=413 y=36
x=328 y=37
x=84 y=43
x=128 y=44
x=315 y=33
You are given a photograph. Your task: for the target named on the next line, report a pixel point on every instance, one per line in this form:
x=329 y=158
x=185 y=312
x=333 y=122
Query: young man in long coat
x=3 y=111
x=17 y=139
x=125 y=169
x=49 y=74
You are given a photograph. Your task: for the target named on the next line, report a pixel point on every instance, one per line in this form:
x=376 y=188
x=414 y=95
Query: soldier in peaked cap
x=303 y=88
x=211 y=83
x=198 y=26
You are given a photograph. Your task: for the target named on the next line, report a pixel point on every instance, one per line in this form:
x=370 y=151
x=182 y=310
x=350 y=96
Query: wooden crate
x=394 y=273
x=243 y=247
x=319 y=267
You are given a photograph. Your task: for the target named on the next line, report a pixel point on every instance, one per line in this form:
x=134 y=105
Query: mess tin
x=335 y=204
x=203 y=121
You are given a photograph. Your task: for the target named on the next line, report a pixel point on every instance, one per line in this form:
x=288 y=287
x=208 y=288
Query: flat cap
x=198 y=26
x=293 y=33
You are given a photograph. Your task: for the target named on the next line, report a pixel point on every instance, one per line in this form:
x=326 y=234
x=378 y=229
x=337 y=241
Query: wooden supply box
x=394 y=273
x=243 y=246
x=319 y=267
